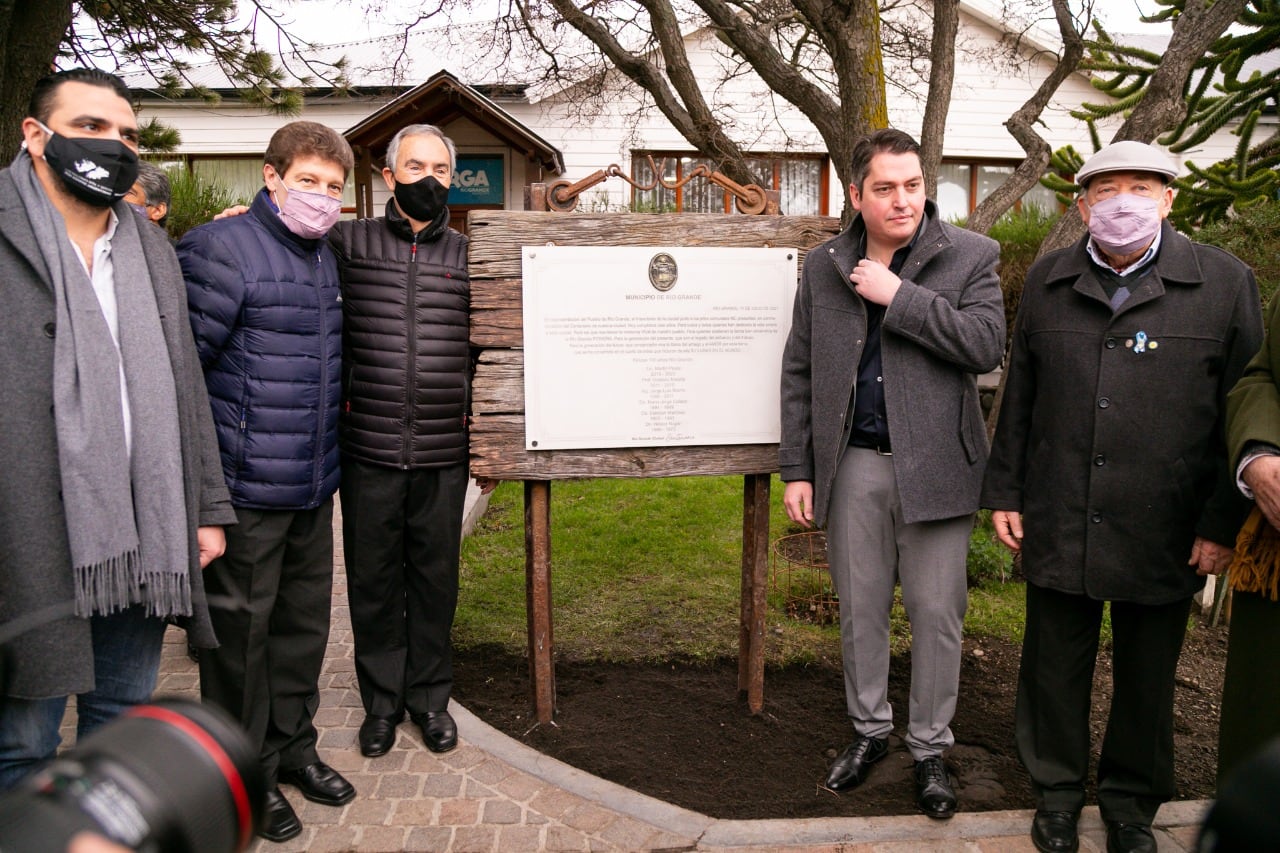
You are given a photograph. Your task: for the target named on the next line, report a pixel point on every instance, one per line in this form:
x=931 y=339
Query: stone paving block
x=554 y=802
x=441 y=785
x=628 y=834
x=415 y=813
x=182 y=681
x=563 y=838
x=343 y=760
x=332 y=839
x=519 y=838
x=489 y=772
x=500 y=811
x=399 y=786
x=464 y=757
x=366 y=812
x=459 y=813
x=519 y=786
x=589 y=818
x=381 y=838
x=475 y=791
x=328 y=717
x=315 y=814
x=338 y=738
x=421 y=759
x=475 y=839
x=1007 y=844
x=534 y=818
x=429 y=838
x=599 y=845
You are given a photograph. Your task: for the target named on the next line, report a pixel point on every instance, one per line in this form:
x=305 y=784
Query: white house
x=510 y=133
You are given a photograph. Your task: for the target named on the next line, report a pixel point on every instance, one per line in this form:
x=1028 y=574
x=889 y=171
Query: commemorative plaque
x=654 y=347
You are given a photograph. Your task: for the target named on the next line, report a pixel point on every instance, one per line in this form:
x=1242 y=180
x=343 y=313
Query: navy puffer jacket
x=407 y=299
x=266 y=311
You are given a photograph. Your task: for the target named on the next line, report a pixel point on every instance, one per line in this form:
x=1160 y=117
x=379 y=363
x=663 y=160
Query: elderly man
x=1109 y=474
x=882 y=438
x=112 y=500
x=407 y=366
x=150 y=194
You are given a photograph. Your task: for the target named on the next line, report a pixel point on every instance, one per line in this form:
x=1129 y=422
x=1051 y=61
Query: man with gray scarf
x=113 y=499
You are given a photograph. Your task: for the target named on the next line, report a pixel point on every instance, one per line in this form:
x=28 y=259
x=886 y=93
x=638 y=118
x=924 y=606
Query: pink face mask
x=1124 y=223
x=310 y=215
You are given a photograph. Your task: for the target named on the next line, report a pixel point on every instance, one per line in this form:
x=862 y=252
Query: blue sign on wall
x=478 y=180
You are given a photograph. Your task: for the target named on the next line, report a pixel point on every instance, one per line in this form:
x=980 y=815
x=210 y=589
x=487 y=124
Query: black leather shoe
x=934 y=793
x=279 y=820
x=377 y=735
x=438 y=730
x=1055 y=832
x=320 y=783
x=1130 y=838
x=850 y=769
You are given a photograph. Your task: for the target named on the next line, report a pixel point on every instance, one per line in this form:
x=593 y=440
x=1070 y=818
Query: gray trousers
x=869 y=548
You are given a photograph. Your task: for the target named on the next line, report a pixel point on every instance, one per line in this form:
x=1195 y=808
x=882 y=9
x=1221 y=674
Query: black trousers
x=1055 y=680
x=269 y=600
x=401 y=534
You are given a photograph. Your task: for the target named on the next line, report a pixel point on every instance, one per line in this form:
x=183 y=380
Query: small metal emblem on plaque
x=663 y=272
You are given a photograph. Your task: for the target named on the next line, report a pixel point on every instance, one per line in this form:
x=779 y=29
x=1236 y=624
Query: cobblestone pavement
x=494 y=795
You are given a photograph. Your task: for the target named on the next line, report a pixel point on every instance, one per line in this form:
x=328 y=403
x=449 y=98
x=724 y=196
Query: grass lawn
x=645 y=570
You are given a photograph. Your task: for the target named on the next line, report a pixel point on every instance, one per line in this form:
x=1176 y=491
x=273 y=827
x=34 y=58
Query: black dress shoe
x=850 y=769
x=320 y=783
x=377 y=735
x=438 y=730
x=1055 y=832
x=1130 y=838
x=934 y=793
x=279 y=820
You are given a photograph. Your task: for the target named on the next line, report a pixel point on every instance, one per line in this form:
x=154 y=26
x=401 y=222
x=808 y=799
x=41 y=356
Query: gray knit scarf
x=126 y=513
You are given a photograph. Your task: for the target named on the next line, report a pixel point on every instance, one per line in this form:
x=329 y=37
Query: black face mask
x=96 y=171
x=423 y=199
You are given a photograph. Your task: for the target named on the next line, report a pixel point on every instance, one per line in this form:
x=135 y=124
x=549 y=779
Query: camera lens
x=170 y=776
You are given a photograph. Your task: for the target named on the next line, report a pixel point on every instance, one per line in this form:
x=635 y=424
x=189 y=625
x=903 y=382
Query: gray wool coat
x=54 y=656
x=944 y=325
x=1111 y=433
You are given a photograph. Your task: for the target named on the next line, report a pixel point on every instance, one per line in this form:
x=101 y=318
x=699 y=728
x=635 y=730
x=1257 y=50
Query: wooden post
x=537 y=573
x=755 y=576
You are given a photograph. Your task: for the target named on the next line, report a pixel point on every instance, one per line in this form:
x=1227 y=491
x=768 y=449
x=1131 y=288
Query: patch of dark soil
x=678 y=732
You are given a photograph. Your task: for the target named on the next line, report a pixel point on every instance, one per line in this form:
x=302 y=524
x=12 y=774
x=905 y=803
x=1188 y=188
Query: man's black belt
x=881 y=447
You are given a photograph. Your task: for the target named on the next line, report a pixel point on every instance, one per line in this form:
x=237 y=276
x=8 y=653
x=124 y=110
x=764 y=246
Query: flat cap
x=1128 y=156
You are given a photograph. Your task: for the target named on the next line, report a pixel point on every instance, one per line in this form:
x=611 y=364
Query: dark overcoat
x=54 y=657
x=1253 y=407
x=944 y=325
x=1110 y=440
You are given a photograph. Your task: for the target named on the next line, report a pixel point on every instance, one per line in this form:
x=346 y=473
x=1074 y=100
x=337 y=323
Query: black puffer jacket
x=406 y=358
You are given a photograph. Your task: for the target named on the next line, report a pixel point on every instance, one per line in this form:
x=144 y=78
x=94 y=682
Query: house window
x=963 y=185
x=801 y=180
